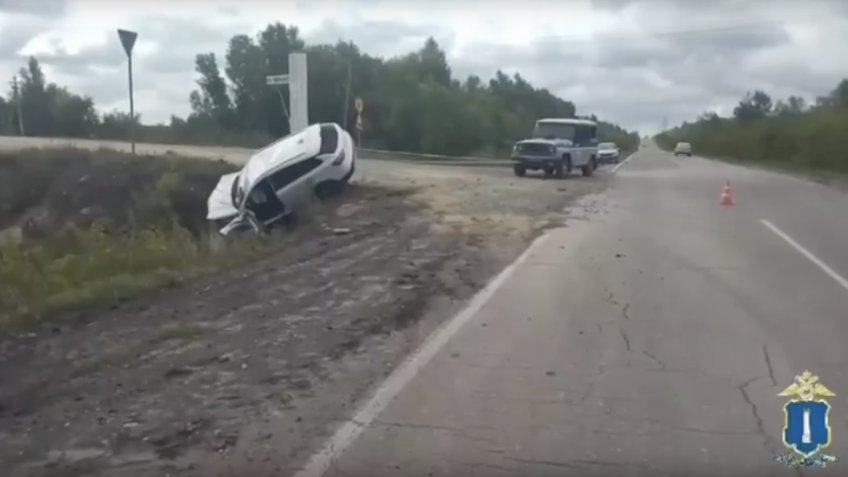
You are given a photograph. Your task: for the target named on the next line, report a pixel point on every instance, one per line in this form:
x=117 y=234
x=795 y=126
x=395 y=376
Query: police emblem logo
x=806 y=429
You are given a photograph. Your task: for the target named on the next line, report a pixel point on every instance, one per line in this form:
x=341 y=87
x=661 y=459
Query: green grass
x=103 y=263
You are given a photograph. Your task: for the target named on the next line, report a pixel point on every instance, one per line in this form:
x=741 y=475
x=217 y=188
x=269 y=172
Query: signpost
x=296 y=79
x=128 y=41
x=279 y=81
x=360 y=106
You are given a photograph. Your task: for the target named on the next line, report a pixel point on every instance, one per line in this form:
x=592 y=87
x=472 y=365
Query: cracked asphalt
x=649 y=337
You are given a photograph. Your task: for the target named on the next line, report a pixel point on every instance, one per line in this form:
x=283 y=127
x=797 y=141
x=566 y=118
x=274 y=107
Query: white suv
x=683 y=148
x=558 y=145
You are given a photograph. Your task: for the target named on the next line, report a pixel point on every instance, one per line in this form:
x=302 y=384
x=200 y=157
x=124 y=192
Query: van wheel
x=588 y=169
x=568 y=166
x=549 y=172
x=519 y=170
x=558 y=171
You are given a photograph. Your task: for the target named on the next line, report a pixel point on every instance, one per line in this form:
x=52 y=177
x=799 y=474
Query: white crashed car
x=279 y=178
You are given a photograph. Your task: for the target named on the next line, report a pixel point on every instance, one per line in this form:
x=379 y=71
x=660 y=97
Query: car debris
x=278 y=179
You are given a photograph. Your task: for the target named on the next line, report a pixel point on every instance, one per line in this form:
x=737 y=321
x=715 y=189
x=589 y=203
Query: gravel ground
x=246 y=372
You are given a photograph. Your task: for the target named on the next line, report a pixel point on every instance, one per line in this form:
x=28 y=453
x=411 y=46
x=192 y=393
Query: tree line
x=412 y=102
x=786 y=132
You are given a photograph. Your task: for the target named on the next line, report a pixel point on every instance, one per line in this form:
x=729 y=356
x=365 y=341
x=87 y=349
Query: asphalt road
x=650 y=336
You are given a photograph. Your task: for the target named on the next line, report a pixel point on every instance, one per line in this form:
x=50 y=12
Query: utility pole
x=347 y=98
x=17 y=99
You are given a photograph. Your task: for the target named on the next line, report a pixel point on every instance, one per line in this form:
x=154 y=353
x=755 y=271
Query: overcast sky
x=635 y=62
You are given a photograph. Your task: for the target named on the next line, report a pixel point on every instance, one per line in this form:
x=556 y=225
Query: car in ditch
x=558 y=145
x=608 y=153
x=278 y=179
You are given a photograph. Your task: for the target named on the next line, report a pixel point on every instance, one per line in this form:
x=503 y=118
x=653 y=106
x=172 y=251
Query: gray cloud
x=38 y=8
x=666 y=58
x=17 y=30
x=181 y=40
x=381 y=38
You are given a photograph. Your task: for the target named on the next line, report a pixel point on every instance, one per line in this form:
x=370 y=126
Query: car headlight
x=339 y=158
x=515 y=149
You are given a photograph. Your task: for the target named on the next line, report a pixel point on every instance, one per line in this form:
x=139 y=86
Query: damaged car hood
x=220 y=202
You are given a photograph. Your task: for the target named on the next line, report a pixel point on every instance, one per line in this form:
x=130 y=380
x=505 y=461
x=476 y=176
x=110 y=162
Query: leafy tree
x=34 y=100
x=753 y=106
x=246 y=72
x=212 y=100
x=73 y=115
x=840 y=94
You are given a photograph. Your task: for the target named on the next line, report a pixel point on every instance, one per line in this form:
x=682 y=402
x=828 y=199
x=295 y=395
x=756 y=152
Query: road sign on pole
x=128 y=41
x=277 y=80
x=296 y=79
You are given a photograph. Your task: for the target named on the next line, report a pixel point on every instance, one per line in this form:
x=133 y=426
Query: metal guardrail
x=427 y=157
x=233 y=154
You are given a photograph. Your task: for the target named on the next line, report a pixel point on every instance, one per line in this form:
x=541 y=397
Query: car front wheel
x=519 y=170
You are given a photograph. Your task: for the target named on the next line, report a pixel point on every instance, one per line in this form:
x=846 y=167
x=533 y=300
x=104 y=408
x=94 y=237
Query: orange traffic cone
x=727 y=196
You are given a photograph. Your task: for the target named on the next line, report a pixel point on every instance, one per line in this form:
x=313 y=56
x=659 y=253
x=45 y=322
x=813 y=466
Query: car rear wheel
x=588 y=169
x=519 y=170
x=328 y=189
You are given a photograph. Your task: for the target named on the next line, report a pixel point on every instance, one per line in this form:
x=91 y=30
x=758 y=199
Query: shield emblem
x=807 y=429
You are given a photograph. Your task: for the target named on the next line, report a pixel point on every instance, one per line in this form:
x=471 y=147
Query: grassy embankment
x=98 y=227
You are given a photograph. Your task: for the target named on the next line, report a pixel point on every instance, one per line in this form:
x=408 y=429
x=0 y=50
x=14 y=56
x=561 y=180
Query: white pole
x=298 y=92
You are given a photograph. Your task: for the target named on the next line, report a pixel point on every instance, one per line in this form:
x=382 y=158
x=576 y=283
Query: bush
x=151 y=231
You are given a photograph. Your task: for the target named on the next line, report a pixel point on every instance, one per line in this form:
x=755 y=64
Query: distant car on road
x=608 y=152
x=558 y=145
x=319 y=160
x=683 y=148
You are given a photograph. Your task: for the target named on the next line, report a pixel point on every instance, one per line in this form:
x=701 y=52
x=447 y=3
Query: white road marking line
x=614 y=169
x=803 y=251
x=347 y=433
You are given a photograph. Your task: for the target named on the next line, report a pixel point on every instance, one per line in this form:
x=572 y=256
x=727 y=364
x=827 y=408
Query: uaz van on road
x=558 y=146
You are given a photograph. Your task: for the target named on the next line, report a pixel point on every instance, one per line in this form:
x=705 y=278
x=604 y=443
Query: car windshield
x=606 y=145
x=554 y=131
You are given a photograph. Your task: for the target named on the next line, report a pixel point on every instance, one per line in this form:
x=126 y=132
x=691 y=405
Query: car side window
x=585 y=136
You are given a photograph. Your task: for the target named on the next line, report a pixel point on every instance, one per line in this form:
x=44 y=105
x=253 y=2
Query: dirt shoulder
x=245 y=372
